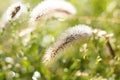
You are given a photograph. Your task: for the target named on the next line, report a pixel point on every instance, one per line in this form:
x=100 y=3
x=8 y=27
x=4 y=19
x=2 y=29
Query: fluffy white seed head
x=77 y=33
x=56 y=8
x=13 y=12
x=50 y=7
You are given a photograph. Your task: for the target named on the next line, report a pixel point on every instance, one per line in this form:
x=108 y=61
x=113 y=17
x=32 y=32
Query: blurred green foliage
x=22 y=62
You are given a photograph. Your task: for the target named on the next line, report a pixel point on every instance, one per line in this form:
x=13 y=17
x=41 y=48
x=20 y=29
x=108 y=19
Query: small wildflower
x=26 y=39
x=101 y=33
x=98 y=59
x=79 y=73
x=9 y=60
x=104 y=36
x=84 y=48
x=36 y=75
x=12 y=74
x=109 y=35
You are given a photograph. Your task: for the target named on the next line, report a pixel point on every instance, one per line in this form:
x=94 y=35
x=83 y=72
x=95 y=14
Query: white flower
x=84 y=48
x=79 y=73
x=12 y=74
x=101 y=33
x=36 y=75
x=79 y=32
x=9 y=60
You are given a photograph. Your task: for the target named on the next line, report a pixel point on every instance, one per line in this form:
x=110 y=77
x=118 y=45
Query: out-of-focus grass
x=20 y=62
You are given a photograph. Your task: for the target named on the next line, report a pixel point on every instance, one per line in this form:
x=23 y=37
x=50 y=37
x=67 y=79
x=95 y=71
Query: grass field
x=92 y=59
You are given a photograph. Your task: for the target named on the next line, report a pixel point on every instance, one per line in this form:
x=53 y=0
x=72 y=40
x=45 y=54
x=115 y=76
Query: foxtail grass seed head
x=13 y=12
x=49 y=8
x=77 y=33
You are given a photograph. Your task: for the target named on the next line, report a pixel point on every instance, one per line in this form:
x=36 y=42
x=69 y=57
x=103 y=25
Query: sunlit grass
x=90 y=60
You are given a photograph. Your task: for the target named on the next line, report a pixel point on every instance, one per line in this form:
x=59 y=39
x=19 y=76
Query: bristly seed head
x=79 y=32
x=50 y=7
x=12 y=13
